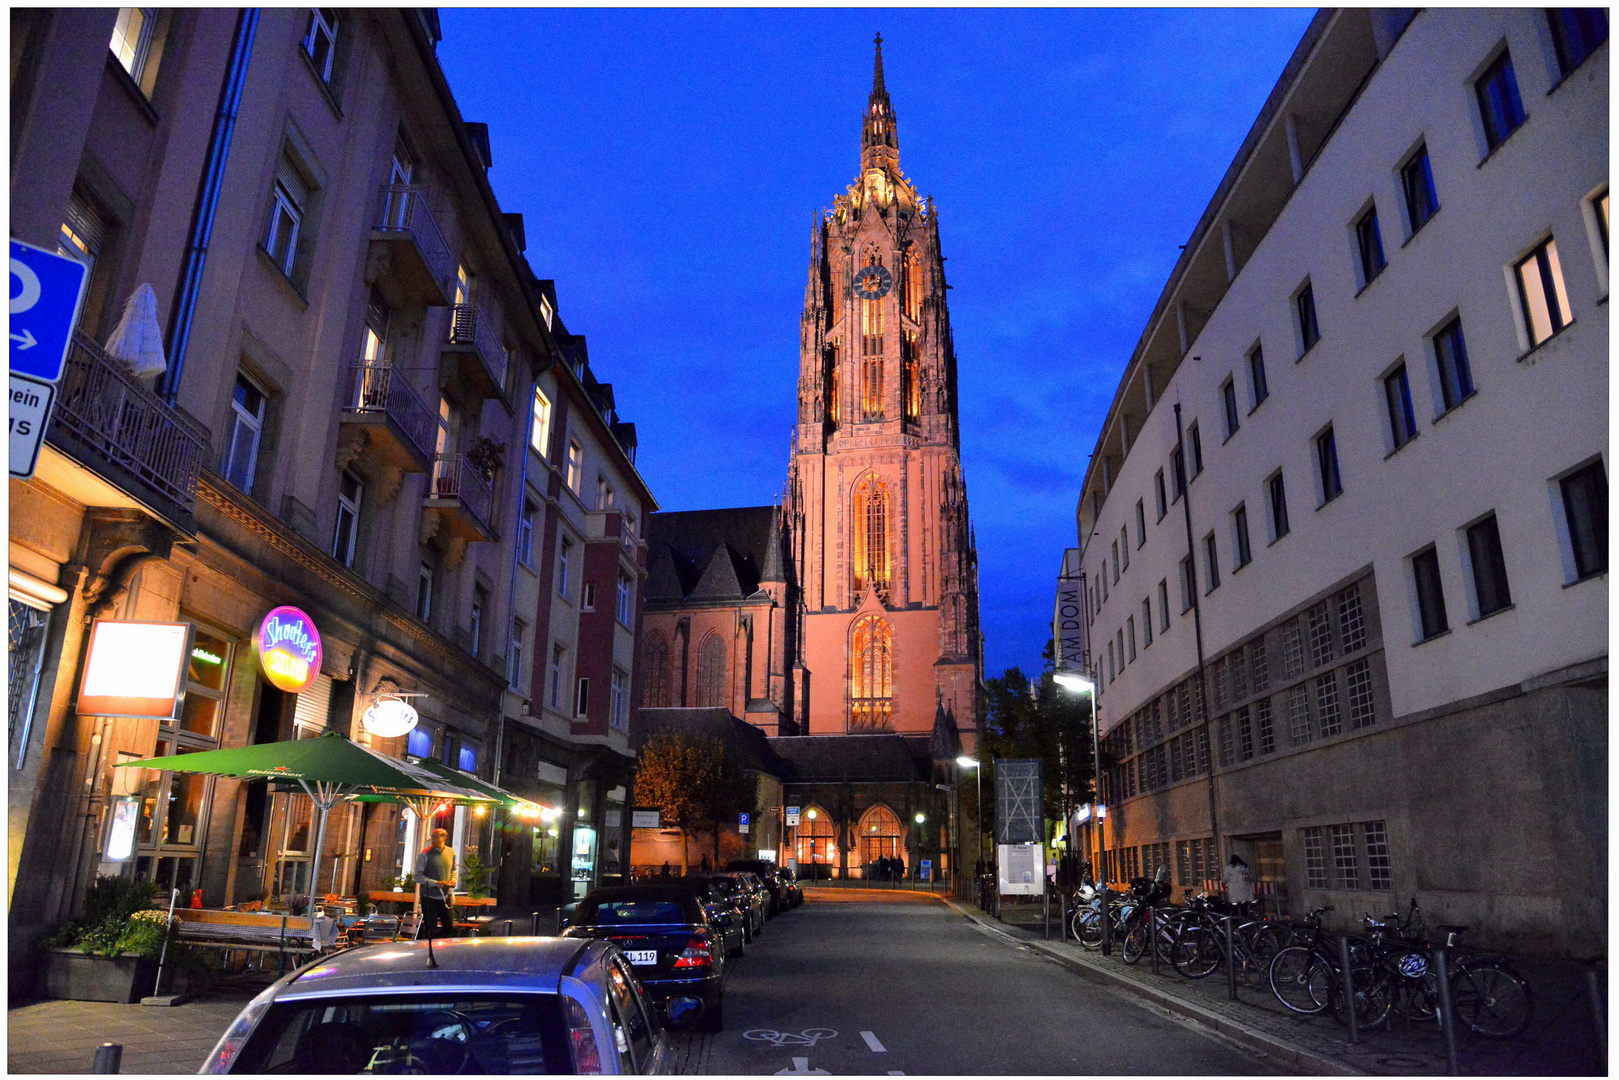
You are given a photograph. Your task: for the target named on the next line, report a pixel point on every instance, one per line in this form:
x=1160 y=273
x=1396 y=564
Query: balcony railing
x=871 y=714
x=405 y=211
x=472 y=326
x=455 y=477
x=102 y=408
x=377 y=388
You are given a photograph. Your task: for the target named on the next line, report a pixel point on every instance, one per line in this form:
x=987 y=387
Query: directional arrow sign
x=46 y=290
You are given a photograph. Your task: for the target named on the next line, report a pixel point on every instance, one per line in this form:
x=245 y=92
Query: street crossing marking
x=871 y=1041
x=801 y=1068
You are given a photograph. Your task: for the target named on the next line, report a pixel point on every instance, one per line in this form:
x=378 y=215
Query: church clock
x=873 y=282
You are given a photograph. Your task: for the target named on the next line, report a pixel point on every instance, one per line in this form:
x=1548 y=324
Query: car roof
x=533 y=964
x=676 y=889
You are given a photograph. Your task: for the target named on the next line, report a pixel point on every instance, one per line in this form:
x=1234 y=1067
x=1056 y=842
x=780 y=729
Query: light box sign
x=289 y=649
x=134 y=668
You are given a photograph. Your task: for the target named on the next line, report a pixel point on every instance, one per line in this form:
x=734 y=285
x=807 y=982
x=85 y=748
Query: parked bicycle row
x=1393 y=969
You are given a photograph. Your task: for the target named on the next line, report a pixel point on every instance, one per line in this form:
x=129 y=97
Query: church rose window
x=656 y=660
x=872 y=684
x=711 y=673
x=871 y=564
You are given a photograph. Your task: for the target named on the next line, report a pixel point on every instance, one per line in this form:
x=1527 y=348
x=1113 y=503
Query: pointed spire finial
x=877 y=87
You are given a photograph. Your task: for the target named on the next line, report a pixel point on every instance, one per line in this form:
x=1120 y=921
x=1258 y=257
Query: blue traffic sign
x=46 y=289
x=744 y=820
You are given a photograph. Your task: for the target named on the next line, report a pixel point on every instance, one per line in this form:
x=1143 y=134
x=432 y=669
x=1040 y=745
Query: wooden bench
x=249 y=932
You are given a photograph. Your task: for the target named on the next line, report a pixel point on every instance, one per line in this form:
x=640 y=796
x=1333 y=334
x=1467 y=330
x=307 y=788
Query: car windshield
x=607 y=912
x=461 y=1033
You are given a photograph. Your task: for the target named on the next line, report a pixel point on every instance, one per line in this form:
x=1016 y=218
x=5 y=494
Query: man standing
x=435 y=882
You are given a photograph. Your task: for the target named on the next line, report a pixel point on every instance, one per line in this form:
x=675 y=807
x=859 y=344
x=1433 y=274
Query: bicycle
x=1302 y=976
x=1199 y=942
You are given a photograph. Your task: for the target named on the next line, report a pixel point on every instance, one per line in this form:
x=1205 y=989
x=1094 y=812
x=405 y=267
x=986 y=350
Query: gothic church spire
x=879 y=139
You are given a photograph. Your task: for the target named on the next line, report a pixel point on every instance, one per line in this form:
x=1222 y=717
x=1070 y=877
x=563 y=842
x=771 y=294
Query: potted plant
x=475 y=875
x=486 y=456
x=110 y=952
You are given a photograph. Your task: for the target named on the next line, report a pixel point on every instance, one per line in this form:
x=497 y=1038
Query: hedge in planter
x=110 y=952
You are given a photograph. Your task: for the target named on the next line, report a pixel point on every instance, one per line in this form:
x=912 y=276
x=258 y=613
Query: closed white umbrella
x=138 y=338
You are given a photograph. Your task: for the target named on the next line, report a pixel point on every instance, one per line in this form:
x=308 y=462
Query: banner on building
x=1019 y=813
x=1068 y=617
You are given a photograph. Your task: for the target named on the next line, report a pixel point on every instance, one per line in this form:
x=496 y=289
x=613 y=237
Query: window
x=1326 y=704
x=1141 y=523
x=1292 y=651
x=1111 y=672
x=287 y=203
x=587 y=596
x=1124 y=545
x=1345 y=864
x=1227 y=758
x=1245 y=735
x=1351 y=620
x=1599 y=214
x=1146 y=624
x=1177 y=462
x=1321 y=643
x=132 y=41
x=711 y=685
x=1228 y=398
x=320 y=41
x=871 y=563
x=346 y=538
x=626 y=600
x=1158 y=490
x=1369 y=245
x=1211 y=561
x=1267 y=730
x=1304 y=311
x=1450 y=356
x=1498 y=103
x=1256 y=376
x=604 y=493
x=1489 y=567
x=564 y=561
x=480 y=604
x=655 y=668
x=539 y=430
x=1188 y=584
x=1120 y=639
x=1115 y=562
x=1163 y=605
x=1362 y=713
x=1130 y=637
x=619 y=702
x=1585 y=508
x=245 y=430
x=1421 y=199
x=1239 y=528
x=82 y=234
x=1259 y=665
x=558 y=654
x=514 y=653
x=581 y=698
x=1298 y=715
x=1196 y=439
x=575 y=466
x=1315 y=863
x=1430 y=593
x=1540 y=289
x=1277 y=489
x=424 y=591
x=1376 y=835
x=1402 y=418
x=1326 y=463
x=1576 y=32
x=525 y=534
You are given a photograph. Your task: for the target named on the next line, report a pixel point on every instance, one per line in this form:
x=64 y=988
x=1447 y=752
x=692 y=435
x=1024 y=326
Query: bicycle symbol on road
x=778 y=1039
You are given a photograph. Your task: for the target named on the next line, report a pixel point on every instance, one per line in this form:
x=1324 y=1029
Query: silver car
x=461 y=1005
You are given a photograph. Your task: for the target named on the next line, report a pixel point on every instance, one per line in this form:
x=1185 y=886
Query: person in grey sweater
x=435 y=883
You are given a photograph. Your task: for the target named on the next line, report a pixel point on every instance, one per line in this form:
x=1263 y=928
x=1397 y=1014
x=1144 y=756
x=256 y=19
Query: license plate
x=642 y=956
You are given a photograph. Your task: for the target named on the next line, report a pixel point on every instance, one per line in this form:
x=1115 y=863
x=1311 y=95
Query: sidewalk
x=1562 y=1041
x=62 y=1036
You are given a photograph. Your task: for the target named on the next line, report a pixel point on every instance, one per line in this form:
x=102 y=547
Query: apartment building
x=355 y=348
x=1344 y=535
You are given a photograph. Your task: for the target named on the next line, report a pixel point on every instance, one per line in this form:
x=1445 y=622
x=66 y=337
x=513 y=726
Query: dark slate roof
x=710 y=723
x=713 y=554
x=813 y=759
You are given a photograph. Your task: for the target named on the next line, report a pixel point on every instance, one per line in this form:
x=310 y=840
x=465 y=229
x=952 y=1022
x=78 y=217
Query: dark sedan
x=727 y=908
x=752 y=897
x=676 y=949
x=766 y=872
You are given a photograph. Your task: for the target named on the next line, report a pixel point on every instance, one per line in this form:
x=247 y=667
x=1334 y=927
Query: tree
x=1029 y=719
x=698 y=784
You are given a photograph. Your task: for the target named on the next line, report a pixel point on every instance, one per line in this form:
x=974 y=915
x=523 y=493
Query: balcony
x=398 y=426
x=113 y=426
x=475 y=356
x=463 y=496
x=410 y=260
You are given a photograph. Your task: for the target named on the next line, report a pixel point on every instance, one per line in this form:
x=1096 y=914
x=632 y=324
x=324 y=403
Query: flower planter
x=75 y=976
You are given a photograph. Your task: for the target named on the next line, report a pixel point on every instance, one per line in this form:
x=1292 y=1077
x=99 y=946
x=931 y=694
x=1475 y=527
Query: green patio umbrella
x=328 y=768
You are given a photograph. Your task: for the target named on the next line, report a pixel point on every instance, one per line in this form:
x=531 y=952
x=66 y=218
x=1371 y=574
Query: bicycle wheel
x=1086 y=926
x=1135 y=942
x=1374 y=997
x=1197 y=951
x=1492 y=999
x=1301 y=979
x=1257 y=945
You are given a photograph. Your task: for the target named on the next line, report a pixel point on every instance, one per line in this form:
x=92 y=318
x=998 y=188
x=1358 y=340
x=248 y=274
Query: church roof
x=719 y=724
x=713 y=554
x=813 y=759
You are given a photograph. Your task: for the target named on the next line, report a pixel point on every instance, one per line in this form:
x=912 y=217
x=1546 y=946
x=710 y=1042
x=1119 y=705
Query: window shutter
x=289 y=178
x=314 y=706
x=86 y=223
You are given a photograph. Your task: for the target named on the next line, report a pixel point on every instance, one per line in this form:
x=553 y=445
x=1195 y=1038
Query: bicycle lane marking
x=871 y=1041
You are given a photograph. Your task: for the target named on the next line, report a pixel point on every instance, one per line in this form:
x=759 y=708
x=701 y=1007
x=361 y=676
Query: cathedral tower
x=882 y=545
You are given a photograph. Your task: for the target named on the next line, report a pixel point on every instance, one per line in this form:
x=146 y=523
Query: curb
x=1305 y=1061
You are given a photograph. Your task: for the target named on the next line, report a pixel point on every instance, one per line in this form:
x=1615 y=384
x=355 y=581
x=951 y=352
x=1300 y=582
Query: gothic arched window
x=871 y=562
x=834 y=402
x=880 y=836
x=655 y=674
x=817 y=841
x=910 y=392
x=711 y=687
x=913 y=287
x=871 y=656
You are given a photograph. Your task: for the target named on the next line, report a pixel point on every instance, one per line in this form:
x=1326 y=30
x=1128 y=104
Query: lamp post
x=972 y=763
x=1079 y=683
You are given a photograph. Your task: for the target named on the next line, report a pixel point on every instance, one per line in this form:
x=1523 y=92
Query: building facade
x=355 y=349
x=1343 y=538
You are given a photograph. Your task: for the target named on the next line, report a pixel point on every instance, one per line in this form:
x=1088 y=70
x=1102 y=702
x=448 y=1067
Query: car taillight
x=587 y=1058
x=697 y=953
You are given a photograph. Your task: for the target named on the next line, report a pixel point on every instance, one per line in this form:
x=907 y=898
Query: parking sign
x=46 y=290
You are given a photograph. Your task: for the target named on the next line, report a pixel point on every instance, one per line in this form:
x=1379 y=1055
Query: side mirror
x=565 y=915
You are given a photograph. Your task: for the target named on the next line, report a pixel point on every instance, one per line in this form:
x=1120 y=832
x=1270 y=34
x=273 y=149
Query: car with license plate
x=454 y=1006
x=677 y=950
x=789 y=881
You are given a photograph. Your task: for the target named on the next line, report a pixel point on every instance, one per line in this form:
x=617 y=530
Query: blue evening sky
x=668 y=164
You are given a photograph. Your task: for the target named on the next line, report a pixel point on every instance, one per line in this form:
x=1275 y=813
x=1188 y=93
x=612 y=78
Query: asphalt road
x=905 y=986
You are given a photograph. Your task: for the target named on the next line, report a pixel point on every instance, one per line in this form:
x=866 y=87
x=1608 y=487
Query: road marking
x=871 y=1041
x=808 y=1037
x=801 y=1068
x=896 y=1072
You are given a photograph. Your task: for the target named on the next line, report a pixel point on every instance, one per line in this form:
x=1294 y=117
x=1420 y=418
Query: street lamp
x=1080 y=683
x=1073 y=680
x=972 y=763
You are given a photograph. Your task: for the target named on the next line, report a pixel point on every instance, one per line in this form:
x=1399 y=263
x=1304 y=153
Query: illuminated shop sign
x=289 y=649
x=389 y=718
x=134 y=668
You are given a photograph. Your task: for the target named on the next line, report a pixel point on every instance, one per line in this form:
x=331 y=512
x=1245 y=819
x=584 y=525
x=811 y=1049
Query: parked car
x=755 y=897
x=789 y=881
x=758 y=885
x=726 y=908
x=766 y=870
x=677 y=950
x=458 y=1005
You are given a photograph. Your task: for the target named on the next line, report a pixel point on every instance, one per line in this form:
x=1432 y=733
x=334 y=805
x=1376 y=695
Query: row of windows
x=618 y=705
x=1354 y=855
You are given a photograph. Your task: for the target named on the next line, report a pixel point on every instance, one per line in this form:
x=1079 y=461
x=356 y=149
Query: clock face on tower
x=872 y=282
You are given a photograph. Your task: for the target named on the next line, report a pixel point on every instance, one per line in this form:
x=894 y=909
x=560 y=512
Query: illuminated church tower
x=883 y=552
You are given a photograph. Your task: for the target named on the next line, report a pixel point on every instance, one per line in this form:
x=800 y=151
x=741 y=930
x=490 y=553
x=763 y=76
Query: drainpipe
x=1197 y=625
x=184 y=309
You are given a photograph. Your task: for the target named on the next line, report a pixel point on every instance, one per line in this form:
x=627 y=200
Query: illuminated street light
x=1073 y=680
x=920 y=818
x=966 y=762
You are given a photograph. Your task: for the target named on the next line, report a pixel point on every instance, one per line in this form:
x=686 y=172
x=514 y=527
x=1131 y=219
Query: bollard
x=535 y=928
x=1349 y=988
x=1447 y=1018
x=1230 y=958
x=1047 y=895
x=508 y=927
x=1107 y=924
x=108 y=1057
x=1152 y=936
x=1593 y=985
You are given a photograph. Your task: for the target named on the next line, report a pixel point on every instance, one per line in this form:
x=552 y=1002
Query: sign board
x=646 y=817
x=134 y=668
x=121 y=837
x=30 y=412
x=742 y=829
x=46 y=290
x=743 y=819
x=792 y=816
x=389 y=718
x=1019 y=869
x=1019 y=802
x=927 y=869
x=289 y=649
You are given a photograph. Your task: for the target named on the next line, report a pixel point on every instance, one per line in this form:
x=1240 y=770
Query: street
x=899 y=984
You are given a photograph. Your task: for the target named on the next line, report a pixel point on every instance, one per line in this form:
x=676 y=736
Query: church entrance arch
x=817 y=844
x=880 y=838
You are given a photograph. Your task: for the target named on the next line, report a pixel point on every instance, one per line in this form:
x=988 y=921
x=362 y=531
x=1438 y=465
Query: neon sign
x=289 y=649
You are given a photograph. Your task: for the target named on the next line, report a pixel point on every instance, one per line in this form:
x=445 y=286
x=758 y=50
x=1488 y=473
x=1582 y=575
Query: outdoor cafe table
x=410 y=899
